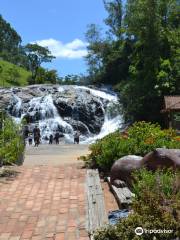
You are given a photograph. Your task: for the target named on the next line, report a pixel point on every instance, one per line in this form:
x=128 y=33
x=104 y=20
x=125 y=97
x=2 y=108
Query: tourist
x=57 y=136
x=37 y=136
x=76 y=137
x=30 y=138
x=51 y=139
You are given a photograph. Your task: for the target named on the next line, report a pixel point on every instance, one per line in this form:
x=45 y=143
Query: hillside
x=12 y=75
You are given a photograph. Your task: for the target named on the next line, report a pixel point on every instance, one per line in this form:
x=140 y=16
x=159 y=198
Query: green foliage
x=140 y=139
x=28 y=58
x=11 y=142
x=114 y=19
x=36 y=56
x=140 y=57
x=12 y=75
x=45 y=76
x=9 y=41
x=155 y=206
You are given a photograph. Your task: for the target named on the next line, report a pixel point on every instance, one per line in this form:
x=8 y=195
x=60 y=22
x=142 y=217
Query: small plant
x=140 y=139
x=156 y=206
x=11 y=142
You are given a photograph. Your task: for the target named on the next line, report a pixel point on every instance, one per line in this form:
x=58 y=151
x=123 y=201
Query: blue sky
x=59 y=24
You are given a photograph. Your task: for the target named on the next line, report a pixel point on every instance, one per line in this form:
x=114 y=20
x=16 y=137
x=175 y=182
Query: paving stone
x=44 y=202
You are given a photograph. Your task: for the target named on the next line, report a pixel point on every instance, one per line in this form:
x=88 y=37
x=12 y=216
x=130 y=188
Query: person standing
x=76 y=137
x=37 y=136
x=51 y=139
x=30 y=138
x=57 y=136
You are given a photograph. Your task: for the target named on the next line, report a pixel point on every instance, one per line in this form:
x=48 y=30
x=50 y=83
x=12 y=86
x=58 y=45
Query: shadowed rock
x=122 y=169
x=158 y=159
x=162 y=158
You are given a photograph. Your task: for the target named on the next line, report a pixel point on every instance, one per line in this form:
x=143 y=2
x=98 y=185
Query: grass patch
x=12 y=75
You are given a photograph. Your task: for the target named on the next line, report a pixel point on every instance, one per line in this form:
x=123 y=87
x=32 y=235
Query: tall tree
x=95 y=51
x=115 y=15
x=142 y=55
x=150 y=72
x=36 y=56
x=9 y=40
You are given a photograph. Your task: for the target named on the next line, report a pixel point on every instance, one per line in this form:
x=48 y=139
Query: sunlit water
x=49 y=119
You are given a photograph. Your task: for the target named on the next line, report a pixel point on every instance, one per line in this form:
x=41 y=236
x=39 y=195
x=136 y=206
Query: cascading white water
x=42 y=111
x=111 y=123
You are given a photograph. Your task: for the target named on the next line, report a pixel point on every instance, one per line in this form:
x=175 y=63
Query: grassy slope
x=6 y=79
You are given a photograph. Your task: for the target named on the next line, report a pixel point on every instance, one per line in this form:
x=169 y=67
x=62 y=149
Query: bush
x=11 y=142
x=156 y=206
x=140 y=139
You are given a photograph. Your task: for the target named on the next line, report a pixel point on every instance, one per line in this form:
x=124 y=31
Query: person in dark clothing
x=76 y=137
x=30 y=139
x=26 y=132
x=37 y=136
x=57 y=136
x=51 y=139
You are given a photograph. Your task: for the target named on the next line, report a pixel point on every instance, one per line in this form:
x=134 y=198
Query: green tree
x=95 y=52
x=46 y=76
x=151 y=73
x=114 y=19
x=9 y=41
x=52 y=76
x=141 y=55
x=36 y=56
x=40 y=76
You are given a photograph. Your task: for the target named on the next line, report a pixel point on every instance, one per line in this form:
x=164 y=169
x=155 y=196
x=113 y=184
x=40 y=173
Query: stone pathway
x=44 y=202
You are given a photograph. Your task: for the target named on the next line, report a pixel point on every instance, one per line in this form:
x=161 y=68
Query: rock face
x=81 y=105
x=59 y=108
x=158 y=159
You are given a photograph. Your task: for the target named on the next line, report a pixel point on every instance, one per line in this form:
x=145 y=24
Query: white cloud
x=71 y=50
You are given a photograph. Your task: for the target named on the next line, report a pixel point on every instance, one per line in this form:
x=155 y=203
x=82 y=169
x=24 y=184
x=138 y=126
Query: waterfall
x=66 y=109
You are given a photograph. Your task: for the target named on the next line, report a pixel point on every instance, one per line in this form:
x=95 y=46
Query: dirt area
x=54 y=155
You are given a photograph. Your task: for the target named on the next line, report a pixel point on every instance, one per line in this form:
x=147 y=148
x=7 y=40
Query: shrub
x=156 y=206
x=11 y=142
x=140 y=139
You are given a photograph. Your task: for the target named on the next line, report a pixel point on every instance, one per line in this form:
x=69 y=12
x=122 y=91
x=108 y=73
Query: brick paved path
x=44 y=202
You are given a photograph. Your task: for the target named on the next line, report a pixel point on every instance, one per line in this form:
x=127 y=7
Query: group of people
x=36 y=135
x=56 y=137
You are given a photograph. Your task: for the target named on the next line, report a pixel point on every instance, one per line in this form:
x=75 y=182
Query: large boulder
x=158 y=159
x=162 y=158
x=122 y=169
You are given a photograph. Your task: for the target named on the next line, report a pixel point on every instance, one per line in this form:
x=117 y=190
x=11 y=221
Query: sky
x=58 y=24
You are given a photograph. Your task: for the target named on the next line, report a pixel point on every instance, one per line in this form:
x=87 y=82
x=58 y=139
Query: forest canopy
x=139 y=54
